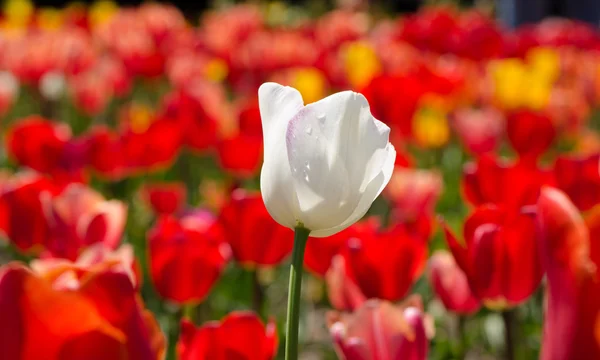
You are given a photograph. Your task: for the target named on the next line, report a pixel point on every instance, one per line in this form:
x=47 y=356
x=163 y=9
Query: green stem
x=508 y=316
x=189 y=312
x=293 y=311
x=462 y=337
x=258 y=293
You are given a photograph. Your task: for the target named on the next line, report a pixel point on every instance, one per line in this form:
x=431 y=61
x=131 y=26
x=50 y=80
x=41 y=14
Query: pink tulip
x=343 y=293
x=450 y=284
x=80 y=217
x=480 y=130
x=380 y=330
x=414 y=192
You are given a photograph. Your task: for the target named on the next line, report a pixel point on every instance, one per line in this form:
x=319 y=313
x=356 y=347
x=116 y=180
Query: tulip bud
x=324 y=163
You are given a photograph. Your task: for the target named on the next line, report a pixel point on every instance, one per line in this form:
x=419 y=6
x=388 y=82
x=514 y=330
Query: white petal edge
x=278 y=105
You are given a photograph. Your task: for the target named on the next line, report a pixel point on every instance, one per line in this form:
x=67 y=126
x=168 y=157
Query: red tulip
x=249 y=118
x=477 y=36
x=255 y=238
x=570 y=251
x=580 y=179
x=319 y=253
x=430 y=29
x=385 y=264
x=74 y=314
x=38 y=143
x=397 y=113
x=105 y=154
x=161 y=20
x=187 y=256
x=165 y=198
x=126 y=36
x=47 y=147
x=80 y=217
x=21 y=211
x=224 y=31
x=338 y=27
x=494 y=180
x=240 y=154
x=241 y=335
x=450 y=284
x=149 y=142
x=198 y=124
x=530 y=133
x=499 y=255
x=379 y=330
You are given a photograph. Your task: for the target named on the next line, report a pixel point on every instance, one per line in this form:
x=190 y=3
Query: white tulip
x=324 y=163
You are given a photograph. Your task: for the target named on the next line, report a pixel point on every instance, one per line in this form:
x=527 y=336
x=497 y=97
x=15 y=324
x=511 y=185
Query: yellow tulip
x=101 y=12
x=544 y=63
x=50 y=18
x=216 y=70
x=140 y=118
x=430 y=127
x=311 y=83
x=18 y=12
x=361 y=63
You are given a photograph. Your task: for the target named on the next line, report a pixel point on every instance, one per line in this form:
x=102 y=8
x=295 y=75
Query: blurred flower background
x=131 y=220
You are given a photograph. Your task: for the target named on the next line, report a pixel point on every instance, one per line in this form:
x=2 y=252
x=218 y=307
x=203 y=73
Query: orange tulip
x=73 y=314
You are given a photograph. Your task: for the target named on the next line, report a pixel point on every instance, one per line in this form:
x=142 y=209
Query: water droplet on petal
x=321 y=117
x=309 y=130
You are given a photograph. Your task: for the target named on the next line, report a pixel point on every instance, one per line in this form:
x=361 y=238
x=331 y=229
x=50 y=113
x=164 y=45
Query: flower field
x=148 y=207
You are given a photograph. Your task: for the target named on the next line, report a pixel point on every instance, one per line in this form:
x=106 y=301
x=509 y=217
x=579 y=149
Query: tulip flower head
x=324 y=163
x=213 y=340
x=380 y=330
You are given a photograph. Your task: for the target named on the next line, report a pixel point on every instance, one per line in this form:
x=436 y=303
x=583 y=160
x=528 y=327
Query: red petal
x=240 y=155
x=579 y=178
x=530 y=133
x=245 y=219
x=185 y=262
x=570 y=326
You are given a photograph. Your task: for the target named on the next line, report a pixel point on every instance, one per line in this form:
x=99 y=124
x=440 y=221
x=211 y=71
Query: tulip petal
x=372 y=191
x=278 y=105
x=320 y=177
